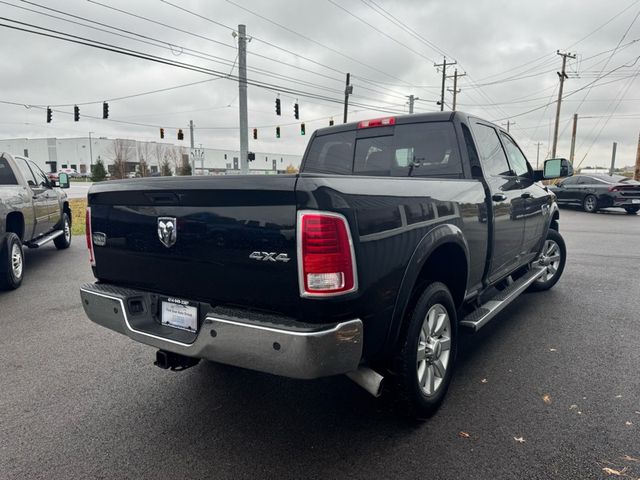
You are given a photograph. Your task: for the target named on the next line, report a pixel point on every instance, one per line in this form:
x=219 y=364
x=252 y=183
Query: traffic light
x=278 y=111
x=296 y=111
x=255 y=133
x=302 y=131
x=49 y=114
x=331 y=122
x=277 y=132
x=162 y=133
x=180 y=134
x=76 y=113
x=105 y=110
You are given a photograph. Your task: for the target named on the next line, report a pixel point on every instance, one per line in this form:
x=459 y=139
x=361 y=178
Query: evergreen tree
x=98 y=172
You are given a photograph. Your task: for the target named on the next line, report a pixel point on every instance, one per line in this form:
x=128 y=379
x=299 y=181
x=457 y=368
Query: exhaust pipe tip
x=368 y=379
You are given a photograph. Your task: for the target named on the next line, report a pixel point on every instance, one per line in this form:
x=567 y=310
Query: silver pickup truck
x=33 y=211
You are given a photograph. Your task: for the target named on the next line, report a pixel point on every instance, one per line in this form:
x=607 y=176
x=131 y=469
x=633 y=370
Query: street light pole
x=90 y=155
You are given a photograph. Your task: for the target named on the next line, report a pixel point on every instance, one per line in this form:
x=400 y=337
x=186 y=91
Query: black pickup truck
x=32 y=212
x=397 y=232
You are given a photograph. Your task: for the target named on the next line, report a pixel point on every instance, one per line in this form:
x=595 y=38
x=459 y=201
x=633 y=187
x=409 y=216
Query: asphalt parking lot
x=557 y=370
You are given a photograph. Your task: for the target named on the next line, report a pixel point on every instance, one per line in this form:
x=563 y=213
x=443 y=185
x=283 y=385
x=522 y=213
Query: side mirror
x=556 y=168
x=63 y=180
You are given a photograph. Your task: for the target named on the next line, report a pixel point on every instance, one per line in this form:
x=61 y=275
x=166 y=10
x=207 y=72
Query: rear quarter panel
x=388 y=218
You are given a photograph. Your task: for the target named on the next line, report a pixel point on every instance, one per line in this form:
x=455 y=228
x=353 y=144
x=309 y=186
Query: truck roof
x=445 y=116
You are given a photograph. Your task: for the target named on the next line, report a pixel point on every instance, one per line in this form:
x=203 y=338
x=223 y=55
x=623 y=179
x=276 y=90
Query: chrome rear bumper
x=294 y=350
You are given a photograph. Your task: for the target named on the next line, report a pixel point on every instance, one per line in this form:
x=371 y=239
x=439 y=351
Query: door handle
x=499 y=197
x=526 y=195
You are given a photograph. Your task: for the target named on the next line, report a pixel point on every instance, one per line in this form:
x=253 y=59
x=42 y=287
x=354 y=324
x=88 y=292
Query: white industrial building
x=53 y=154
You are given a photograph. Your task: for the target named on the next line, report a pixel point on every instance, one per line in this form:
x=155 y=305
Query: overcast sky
x=507 y=50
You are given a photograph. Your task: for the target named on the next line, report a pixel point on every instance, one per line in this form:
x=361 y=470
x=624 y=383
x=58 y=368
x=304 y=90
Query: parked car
x=69 y=171
x=33 y=212
x=593 y=192
x=396 y=233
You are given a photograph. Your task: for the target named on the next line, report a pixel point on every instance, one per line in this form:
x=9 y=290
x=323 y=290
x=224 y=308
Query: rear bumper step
x=481 y=316
x=294 y=350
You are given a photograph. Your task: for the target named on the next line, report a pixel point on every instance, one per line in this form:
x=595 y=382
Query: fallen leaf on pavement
x=611 y=471
x=552 y=350
x=573 y=407
x=464 y=434
x=484 y=380
x=546 y=398
x=628 y=423
x=630 y=459
x=519 y=439
x=618 y=396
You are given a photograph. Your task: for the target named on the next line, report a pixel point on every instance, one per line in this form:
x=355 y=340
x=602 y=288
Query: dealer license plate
x=635 y=200
x=179 y=314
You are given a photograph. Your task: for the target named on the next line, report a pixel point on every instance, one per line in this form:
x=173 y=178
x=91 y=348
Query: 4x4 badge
x=167 y=231
x=269 y=256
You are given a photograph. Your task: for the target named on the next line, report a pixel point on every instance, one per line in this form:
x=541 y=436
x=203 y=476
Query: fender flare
x=434 y=238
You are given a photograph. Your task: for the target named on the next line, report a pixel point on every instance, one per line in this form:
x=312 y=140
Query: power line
x=380 y=31
x=136 y=54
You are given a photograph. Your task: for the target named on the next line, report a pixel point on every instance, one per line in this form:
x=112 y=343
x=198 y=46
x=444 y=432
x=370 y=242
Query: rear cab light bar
x=377 y=122
x=326 y=257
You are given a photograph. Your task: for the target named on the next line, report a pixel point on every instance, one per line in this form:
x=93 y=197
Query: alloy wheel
x=434 y=349
x=16 y=261
x=550 y=260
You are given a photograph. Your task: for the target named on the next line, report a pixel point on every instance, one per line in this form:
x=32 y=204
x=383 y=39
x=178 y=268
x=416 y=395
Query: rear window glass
x=414 y=150
x=7 y=177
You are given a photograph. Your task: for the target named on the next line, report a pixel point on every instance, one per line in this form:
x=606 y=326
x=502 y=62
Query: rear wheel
x=632 y=210
x=590 y=204
x=427 y=353
x=553 y=258
x=64 y=240
x=11 y=262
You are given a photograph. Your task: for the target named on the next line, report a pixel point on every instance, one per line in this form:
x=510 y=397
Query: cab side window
x=26 y=172
x=492 y=157
x=41 y=178
x=517 y=160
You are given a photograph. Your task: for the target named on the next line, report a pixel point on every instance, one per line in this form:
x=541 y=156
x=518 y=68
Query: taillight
x=377 y=122
x=89 y=235
x=326 y=261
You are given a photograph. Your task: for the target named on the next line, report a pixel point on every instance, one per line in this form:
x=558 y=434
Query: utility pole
x=90 y=156
x=538 y=157
x=455 y=89
x=348 y=90
x=573 y=137
x=562 y=76
x=613 y=158
x=508 y=124
x=444 y=76
x=636 y=173
x=242 y=90
x=191 y=155
x=412 y=100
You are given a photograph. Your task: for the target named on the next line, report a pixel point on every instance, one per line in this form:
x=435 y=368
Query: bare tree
x=159 y=149
x=120 y=152
x=145 y=153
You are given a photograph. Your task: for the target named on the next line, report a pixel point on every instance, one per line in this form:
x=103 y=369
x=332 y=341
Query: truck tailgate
x=234 y=241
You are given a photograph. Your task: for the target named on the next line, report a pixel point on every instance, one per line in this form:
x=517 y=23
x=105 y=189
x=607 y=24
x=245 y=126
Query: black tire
x=590 y=204
x=411 y=397
x=546 y=282
x=632 y=210
x=64 y=240
x=10 y=276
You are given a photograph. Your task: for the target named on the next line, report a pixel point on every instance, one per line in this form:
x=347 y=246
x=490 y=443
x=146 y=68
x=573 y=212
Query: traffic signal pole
x=242 y=90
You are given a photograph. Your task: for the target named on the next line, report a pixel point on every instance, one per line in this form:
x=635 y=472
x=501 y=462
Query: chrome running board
x=481 y=316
